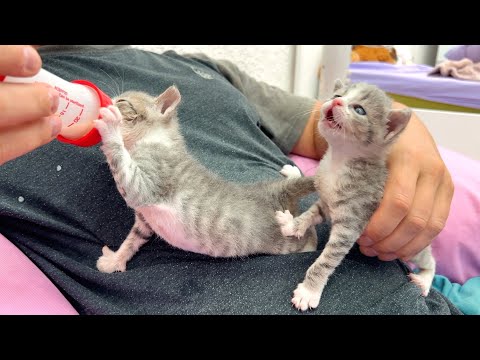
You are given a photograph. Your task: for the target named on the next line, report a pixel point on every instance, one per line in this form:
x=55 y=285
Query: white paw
x=289 y=225
x=109 y=262
x=285 y=220
x=109 y=123
x=422 y=283
x=290 y=171
x=304 y=299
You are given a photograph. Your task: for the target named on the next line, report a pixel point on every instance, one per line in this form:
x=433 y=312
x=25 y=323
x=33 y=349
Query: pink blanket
x=24 y=289
x=463 y=69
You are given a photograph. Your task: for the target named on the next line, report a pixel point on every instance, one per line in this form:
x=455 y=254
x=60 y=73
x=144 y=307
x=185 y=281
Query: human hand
x=417 y=198
x=27 y=118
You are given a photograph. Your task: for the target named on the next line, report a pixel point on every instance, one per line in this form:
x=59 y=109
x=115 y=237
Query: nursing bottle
x=79 y=105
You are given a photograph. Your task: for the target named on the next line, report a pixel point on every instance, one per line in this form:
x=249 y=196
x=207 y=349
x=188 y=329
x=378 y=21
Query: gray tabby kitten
x=360 y=127
x=174 y=196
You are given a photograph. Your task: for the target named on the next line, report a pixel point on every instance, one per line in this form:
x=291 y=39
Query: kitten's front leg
x=109 y=125
x=342 y=238
x=291 y=226
x=112 y=261
x=130 y=179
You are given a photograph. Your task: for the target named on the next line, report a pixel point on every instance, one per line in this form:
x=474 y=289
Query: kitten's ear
x=168 y=101
x=397 y=121
x=338 y=85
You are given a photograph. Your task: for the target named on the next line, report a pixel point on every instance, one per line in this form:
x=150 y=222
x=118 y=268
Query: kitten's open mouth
x=330 y=121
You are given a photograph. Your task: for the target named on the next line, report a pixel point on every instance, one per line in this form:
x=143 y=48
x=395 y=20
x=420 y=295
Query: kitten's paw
x=290 y=172
x=304 y=299
x=110 y=121
x=111 y=115
x=285 y=220
x=288 y=225
x=109 y=262
x=421 y=282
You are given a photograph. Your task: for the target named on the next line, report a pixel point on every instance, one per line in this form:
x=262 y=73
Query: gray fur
x=350 y=180
x=154 y=171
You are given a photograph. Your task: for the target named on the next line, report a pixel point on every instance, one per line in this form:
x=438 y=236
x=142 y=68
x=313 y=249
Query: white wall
x=420 y=54
x=317 y=67
x=442 y=49
x=307 y=62
x=425 y=54
x=333 y=66
x=270 y=63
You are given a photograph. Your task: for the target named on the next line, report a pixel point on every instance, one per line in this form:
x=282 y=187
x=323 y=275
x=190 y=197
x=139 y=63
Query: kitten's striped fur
x=350 y=180
x=176 y=197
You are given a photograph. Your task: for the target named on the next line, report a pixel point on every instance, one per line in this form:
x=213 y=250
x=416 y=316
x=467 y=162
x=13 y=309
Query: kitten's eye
x=359 y=110
x=335 y=96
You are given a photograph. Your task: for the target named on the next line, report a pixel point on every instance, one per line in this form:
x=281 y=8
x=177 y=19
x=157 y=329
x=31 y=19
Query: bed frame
x=458 y=131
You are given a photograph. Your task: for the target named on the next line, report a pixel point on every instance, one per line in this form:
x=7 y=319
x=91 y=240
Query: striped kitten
x=177 y=198
x=360 y=127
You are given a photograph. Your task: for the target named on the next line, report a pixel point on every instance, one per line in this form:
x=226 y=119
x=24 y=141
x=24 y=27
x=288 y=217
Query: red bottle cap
x=92 y=137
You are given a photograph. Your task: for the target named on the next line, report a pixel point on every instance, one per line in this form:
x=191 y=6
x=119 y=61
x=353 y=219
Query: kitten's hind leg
x=291 y=226
x=426 y=265
x=112 y=261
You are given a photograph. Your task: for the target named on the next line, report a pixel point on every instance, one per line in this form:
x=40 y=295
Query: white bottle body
x=78 y=107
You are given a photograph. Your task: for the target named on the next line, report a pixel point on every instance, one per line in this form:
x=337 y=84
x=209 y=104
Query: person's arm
x=27 y=111
x=283 y=116
x=310 y=143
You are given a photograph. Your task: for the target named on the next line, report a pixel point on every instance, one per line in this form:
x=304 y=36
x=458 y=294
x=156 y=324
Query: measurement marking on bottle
x=79 y=116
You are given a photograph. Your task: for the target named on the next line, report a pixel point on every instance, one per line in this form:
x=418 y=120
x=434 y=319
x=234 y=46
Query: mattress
x=416 y=88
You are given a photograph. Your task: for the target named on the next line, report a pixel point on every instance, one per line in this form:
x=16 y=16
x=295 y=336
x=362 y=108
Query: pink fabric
x=24 y=289
x=307 y=165
x=457 y=247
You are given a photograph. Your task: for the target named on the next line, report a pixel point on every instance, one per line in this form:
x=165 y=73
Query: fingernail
x=365 y=241
x=56 y=125
x=369 y=251
x=31 y=60
x=54 y=99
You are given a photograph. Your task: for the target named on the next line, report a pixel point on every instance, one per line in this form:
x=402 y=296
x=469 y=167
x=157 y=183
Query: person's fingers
x=436 y=223
x=397 y=200
x=18 y=140
x=26 y=102
x=418 y=216
x=368 y=251
x=19 y=60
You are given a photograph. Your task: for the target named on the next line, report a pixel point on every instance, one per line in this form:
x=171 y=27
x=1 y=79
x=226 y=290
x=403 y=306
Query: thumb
x=23 y=138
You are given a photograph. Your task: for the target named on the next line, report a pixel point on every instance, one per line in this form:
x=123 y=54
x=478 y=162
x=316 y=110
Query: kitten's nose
x=337 y=102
